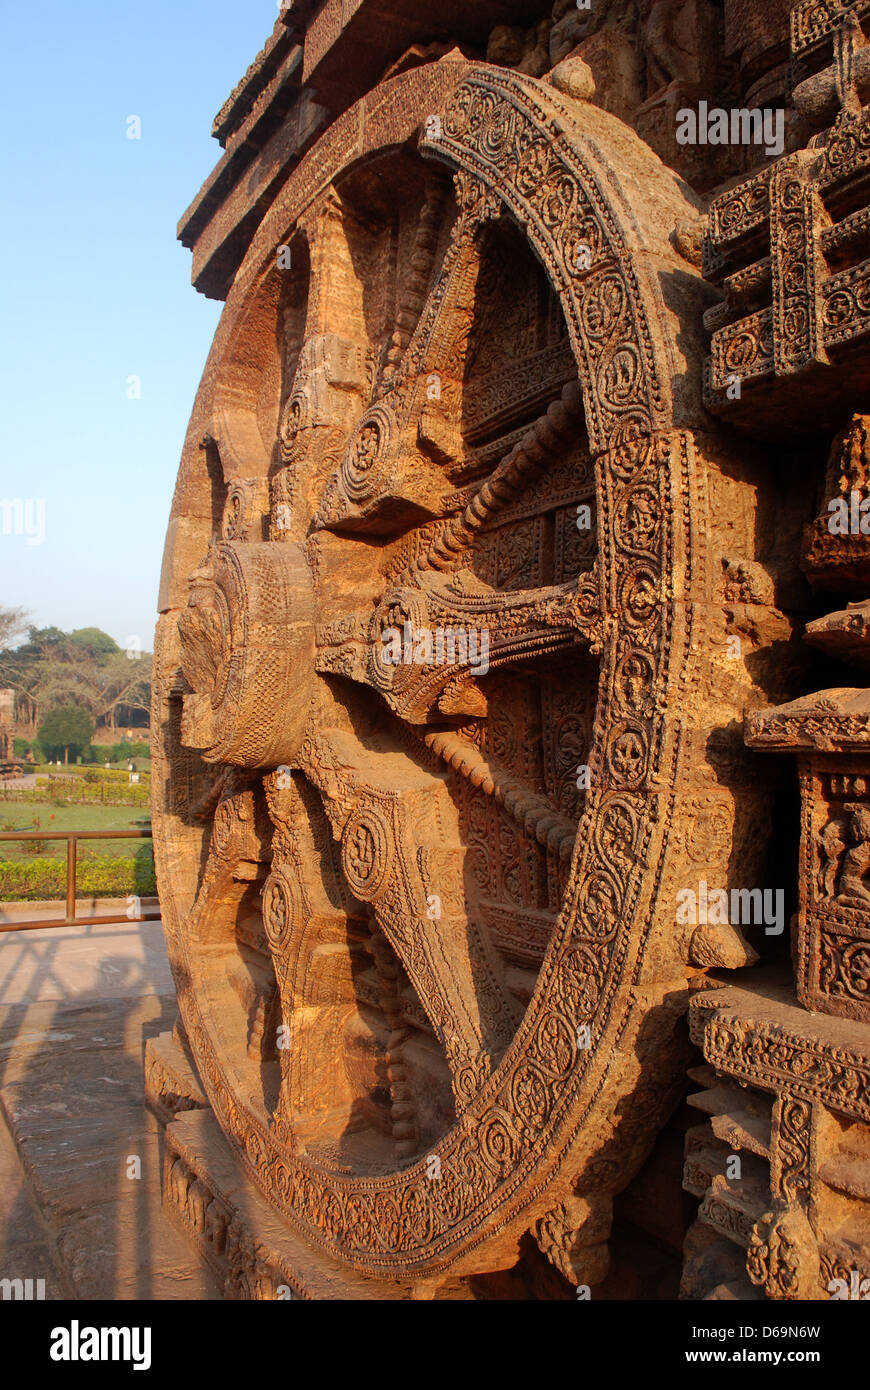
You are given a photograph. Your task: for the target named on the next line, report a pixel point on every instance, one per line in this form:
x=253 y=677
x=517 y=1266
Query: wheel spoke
x=389 y=814
x=330 y=384
x=427 y=644
x=316 y=947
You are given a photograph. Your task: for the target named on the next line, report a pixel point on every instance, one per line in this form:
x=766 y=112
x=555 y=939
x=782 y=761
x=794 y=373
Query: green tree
x=31 y=670
x=121 y=689
x=66 y=727
x=55 y=669
x=94 y=641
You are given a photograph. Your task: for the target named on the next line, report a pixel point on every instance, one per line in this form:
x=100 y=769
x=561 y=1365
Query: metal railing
x=72 y=838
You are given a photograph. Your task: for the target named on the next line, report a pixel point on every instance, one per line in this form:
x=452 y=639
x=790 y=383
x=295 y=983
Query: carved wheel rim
x=551 y=1112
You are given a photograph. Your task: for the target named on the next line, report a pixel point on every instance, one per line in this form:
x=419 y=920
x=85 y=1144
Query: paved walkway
x=75 y=964
x=79 y=1153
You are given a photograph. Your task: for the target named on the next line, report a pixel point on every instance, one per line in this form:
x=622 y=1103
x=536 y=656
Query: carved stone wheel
x=429 y=969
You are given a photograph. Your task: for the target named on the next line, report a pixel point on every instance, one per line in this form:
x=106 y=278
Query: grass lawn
x=51 y=817
x=79 y=769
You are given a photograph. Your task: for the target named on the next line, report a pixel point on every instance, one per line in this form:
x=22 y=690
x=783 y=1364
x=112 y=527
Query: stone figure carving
x=856 y=861
x=831 y=846
x=571 y=23
x=670 y=42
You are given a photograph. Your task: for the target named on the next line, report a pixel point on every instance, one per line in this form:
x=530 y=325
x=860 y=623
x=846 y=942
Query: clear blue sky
x=95 y=288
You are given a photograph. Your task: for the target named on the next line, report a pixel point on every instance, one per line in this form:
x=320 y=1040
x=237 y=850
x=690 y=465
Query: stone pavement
x=79 y=1153
x=81 y=963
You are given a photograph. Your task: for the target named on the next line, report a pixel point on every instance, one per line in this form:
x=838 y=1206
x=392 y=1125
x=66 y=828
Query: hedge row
x=86 y=773
x=41 y=879
x=82 y=794
x=96 y=753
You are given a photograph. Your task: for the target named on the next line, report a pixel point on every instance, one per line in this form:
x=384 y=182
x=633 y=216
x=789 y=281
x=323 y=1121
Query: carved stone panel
x=833 y=926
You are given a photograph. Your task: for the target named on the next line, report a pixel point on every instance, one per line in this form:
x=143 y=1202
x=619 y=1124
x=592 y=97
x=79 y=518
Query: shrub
x=120 y=752
x=97 y=877
x=81 y=793
x=20 y=747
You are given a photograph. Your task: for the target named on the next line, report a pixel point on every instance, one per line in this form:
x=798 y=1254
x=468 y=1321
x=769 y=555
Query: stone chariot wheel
x=446 y=710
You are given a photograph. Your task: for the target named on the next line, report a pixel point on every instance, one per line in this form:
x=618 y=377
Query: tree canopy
x=85 y=668
x=67 y=729
x=94 y=641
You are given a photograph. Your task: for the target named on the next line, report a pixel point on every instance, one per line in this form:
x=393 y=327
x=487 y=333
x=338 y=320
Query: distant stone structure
x=7 y=708
x=518 y=515
x=10 y=766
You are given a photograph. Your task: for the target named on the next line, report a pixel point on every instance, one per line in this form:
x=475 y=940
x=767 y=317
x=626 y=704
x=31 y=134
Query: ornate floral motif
x=792 y=1133
x=783 y=1256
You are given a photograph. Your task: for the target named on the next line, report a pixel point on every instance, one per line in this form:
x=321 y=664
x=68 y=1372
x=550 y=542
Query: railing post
x=71 y=839
x=71 y=856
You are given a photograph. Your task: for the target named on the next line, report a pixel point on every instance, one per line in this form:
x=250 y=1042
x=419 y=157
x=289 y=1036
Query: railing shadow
x=77 y=1005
